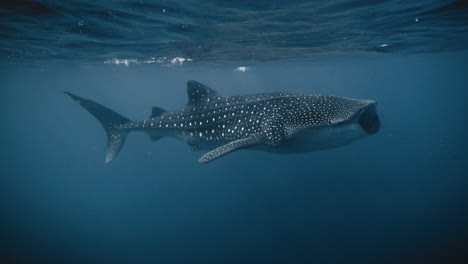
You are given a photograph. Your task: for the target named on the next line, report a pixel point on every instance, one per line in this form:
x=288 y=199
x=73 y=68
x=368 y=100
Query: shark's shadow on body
x=274 y=122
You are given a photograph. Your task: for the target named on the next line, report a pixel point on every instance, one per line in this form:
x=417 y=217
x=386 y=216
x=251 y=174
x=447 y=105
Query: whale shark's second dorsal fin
x=198 y=92
x=157 y=111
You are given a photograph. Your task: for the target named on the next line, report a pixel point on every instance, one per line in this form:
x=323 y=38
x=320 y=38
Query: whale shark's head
x=321 y=122
x=368 y=119
x=346 y=112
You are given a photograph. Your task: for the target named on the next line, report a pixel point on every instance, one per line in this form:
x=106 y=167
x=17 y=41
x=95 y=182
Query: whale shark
x=275 y=122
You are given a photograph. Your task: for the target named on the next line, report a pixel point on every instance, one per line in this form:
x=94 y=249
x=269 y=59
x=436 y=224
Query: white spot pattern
x=274 y=117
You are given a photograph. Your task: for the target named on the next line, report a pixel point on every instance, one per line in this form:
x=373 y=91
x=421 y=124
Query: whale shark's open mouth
x=369 y=120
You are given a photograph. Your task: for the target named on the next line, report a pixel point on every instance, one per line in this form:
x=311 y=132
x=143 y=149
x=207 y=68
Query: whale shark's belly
x=318 y=139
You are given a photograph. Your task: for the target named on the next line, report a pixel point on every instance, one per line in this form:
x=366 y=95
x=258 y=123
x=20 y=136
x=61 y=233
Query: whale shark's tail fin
x=110 y=120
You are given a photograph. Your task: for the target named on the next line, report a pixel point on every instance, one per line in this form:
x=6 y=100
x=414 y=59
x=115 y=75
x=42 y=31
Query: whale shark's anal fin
x=230 y=147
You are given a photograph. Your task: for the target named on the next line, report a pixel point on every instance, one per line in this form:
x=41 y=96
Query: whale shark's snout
x=369 y=120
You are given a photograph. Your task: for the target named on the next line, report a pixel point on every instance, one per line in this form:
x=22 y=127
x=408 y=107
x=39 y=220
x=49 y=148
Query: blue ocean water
x=395 y=197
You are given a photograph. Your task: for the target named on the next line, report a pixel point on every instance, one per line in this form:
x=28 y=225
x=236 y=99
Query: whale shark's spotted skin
x=227 y=123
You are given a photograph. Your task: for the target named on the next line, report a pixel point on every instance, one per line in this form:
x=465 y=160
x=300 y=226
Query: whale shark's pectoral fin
x=230 y=147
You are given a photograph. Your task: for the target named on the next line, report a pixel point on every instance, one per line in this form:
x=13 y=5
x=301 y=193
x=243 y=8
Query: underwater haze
x=399 y=196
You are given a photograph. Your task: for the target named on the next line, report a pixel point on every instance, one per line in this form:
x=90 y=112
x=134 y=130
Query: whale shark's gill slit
x=111 y=121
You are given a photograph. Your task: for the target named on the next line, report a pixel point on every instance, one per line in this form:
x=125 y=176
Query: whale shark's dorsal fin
x=198 y=92
x=157 y=111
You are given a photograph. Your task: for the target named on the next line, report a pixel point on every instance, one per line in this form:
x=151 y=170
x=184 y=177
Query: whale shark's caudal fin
x=110 y=120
